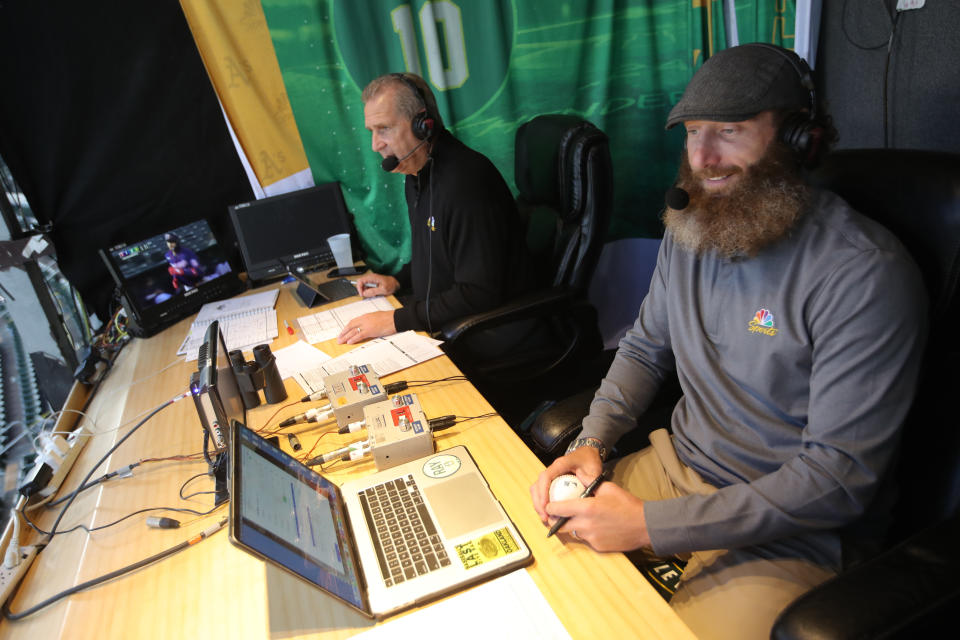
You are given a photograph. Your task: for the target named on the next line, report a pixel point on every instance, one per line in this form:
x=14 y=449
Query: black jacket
x=474 y=256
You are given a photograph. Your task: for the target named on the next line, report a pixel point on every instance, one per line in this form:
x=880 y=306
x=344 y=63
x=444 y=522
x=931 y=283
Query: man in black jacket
x=468 y=253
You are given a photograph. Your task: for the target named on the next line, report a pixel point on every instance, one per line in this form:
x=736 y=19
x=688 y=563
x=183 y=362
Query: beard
x=757 y=211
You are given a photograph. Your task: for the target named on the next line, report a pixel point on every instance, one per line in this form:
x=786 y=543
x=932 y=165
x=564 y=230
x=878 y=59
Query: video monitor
x=290 y=229
x=169 y=276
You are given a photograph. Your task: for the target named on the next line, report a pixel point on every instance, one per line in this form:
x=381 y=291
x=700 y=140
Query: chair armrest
x=556 y=426
x=910 y=586
x=536 y=304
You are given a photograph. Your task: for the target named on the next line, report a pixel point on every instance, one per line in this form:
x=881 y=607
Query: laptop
x=291 y=516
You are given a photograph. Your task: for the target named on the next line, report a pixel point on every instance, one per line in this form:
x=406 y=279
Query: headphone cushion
x=422 y=126
x=802 y=135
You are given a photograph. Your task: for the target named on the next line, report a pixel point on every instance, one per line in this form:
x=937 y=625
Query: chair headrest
x=565 y=143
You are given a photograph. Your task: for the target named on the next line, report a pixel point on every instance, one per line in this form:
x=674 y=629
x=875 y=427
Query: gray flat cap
x=738 y=83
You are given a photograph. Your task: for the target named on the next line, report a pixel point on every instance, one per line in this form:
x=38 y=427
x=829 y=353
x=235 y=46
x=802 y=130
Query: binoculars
x=259 y=373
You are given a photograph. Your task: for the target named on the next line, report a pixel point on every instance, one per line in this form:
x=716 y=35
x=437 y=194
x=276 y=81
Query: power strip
x=10 y=576
x=56 y=457
x=75 y=442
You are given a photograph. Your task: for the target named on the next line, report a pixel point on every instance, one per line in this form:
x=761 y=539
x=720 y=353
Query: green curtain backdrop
x=767 y=21
x=493 y=64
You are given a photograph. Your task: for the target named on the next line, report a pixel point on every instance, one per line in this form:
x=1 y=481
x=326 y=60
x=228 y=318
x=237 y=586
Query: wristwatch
x=596 y=443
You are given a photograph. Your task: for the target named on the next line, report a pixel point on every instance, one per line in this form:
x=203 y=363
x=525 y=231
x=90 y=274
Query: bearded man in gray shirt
x=795 y=326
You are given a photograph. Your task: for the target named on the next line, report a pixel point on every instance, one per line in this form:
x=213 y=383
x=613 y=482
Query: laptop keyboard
x=404 y=534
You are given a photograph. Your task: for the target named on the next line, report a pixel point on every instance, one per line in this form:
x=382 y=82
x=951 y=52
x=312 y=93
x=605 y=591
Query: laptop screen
x=291 y=228
x=285 y=512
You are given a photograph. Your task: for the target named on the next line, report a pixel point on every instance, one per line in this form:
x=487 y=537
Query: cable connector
x=12 y=557
x=160 y=522
x=395 y=387
x=38 y=479
x=209 y=531
x=294 y=442
x=353 y=427
x=356 y=453
x=316 y=395
x=123 y=472
x=338 y=453
x=310 y=415
x=441 y=423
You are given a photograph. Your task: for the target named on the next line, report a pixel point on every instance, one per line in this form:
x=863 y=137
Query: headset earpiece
x=422 y=125
x=802 y=135
x=800 y=130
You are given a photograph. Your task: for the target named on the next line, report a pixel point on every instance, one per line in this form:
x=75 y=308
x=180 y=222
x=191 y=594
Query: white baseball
x=565 y=487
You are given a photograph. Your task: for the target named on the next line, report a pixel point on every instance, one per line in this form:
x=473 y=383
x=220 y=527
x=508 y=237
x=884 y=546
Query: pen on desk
x=562 y=520
x=289 y=328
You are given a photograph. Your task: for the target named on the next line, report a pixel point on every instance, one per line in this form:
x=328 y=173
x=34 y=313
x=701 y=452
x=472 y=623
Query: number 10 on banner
x=443 y=76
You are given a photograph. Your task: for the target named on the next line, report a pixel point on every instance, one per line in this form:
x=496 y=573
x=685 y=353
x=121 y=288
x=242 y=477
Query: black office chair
x=913 y=586
x=565 y=182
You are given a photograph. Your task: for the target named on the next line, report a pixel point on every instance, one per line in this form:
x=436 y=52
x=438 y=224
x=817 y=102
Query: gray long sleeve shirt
x=797 y=366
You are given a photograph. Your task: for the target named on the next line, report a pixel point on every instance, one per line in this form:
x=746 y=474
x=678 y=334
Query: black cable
x=480 y=417
x=884 y=104
x=886 y=71
x=53 y=529
x=432 y=223
x=445 y=422
x=107 y=476
x=401 y=385
x=846 y=34
x=423 y=383
x=10 y=615
x=188 y=481
x=119 y=520
x=94 y=483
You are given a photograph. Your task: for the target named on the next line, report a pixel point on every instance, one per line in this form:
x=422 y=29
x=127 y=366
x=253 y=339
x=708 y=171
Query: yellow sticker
x=487 y=547
x=341 y=401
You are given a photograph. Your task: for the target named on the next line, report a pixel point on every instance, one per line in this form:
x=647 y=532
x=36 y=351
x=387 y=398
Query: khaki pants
x=735 y=593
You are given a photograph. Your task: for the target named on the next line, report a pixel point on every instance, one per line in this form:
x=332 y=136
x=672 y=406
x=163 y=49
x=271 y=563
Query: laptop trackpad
x=462 y=505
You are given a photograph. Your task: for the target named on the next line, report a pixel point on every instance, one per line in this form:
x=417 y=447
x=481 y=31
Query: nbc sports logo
x=762 y=323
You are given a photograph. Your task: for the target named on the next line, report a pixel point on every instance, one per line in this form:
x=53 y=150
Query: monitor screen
x=170 y=275
x=290 y=229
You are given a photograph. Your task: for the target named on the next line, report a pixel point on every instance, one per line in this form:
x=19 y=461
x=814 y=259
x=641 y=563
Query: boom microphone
x=677 y=198
x=392 y=162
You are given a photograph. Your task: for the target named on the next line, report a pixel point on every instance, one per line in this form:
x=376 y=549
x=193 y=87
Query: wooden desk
x=212 y=589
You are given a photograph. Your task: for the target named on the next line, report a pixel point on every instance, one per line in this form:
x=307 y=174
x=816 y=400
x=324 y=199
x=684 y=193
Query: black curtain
x=110 y=125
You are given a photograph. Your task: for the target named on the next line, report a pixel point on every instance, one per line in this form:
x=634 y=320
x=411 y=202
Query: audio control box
x=351 y=390
x=398 y=431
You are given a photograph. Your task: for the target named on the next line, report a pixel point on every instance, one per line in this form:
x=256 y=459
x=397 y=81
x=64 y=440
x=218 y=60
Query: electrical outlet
x=10 y=576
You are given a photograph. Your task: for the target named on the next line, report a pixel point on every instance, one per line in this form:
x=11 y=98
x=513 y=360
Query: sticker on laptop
x=487 y=547
x=442 y=466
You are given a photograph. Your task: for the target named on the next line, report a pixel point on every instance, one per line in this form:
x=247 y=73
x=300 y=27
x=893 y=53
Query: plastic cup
x=340 y=246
